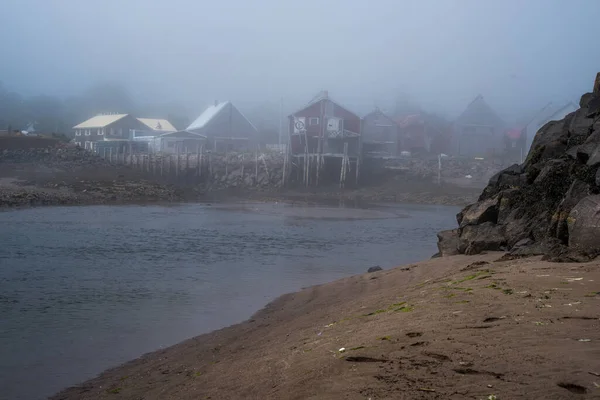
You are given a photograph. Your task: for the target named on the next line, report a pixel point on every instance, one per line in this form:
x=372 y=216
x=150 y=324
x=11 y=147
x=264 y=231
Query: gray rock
x=375 y=269
x=480 y=212
x=474 y=239
x=584 y=225
x=448 y=243
x=577 y=191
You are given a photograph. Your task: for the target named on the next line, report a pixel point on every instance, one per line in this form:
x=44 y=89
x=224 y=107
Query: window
x=78 y=144
x=101 y=131
x=88 y=132
x=313 y=121
x=112 y=132
x=77 y=133
x=88 y=145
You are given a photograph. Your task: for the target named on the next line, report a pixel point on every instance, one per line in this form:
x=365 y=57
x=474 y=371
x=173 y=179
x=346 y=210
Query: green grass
x=405 y=309
x=115 y=390
x=507 y=291
x=383 y=338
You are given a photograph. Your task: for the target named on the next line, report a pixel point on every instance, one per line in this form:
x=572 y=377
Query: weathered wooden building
x=225 y=128
x=479 y=131
x=325 y=132
x=381 y=136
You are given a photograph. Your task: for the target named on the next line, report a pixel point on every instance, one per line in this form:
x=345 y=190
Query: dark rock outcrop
x=549 y=205
x=375 y=269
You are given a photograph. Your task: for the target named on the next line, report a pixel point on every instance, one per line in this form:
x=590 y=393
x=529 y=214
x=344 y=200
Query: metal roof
x=207 y=116
x=157 y=124
x=100 y=121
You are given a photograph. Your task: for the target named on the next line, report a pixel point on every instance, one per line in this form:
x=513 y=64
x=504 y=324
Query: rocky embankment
x=549 y=205
x=63 y=176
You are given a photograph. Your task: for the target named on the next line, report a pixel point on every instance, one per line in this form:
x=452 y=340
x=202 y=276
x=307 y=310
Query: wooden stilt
x=243 y=161
x=256 y=166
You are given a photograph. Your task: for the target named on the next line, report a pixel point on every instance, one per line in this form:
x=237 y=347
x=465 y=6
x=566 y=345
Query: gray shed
x=225 y=128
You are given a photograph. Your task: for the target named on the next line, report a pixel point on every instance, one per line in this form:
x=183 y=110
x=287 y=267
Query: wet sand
x=450 y=328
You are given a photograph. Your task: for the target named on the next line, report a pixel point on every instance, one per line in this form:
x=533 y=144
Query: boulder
x=577 y=191
x=375 y=269
x=448 y=243
x=584 y=225
x=474 y=239
x=478 y=213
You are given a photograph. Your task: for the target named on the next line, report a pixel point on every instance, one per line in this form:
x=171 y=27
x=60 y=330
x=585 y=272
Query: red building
x=324 y=126
x=412 y=131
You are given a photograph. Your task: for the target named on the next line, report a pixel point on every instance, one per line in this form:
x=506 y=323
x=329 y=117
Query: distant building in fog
x=478 y=131
x=106 y=127
x=225 y=128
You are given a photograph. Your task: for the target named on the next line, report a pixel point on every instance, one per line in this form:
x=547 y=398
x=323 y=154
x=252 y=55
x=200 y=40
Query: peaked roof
x=207 y=115
x=157 y=124
x=478 y=112
x=323 y=95
x=211 y=112
x=378 y=112
x=409 y=120
x=100 y=121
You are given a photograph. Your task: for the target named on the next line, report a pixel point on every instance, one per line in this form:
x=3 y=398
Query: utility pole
x=280 y=120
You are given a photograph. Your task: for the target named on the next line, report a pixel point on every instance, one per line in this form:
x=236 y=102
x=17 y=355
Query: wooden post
x=104 y=153
x=285 y=159
x=256 y=165
x=243 y=160
x=439 y=177
x=344 y=165
x=357 y=167
x=110 y=155
x=264 y=159
x=187 y=161
x=198 y=160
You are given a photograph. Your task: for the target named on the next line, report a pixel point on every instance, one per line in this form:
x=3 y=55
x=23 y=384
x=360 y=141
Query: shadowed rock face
x=549 y=205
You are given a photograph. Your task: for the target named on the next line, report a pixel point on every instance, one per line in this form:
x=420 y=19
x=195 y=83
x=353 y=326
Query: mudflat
x=463 y=327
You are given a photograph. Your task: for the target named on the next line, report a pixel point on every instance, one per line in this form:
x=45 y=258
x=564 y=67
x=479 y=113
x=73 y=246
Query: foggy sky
x=518 y=54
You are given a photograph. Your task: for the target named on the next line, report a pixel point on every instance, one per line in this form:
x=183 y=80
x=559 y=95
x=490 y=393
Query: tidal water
x=87 y=288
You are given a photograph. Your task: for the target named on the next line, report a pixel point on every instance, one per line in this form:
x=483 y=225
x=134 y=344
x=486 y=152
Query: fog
x=518 y=54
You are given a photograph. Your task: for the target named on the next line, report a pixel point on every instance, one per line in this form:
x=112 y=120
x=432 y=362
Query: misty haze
x=409 y=189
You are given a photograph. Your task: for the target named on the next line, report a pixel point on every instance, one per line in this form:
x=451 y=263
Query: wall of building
x=117 y=130
x=229 y=123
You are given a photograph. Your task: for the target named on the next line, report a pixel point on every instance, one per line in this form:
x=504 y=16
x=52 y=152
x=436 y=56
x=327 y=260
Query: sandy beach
x=463 y=327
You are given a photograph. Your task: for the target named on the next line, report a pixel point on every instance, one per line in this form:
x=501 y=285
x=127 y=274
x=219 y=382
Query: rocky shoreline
x=549 y=205
x=70 y=176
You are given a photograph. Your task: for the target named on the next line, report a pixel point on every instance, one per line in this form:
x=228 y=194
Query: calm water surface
x=86 y=288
